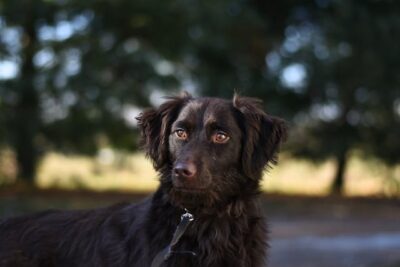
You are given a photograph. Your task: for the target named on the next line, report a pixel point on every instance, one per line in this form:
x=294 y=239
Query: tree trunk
x=26 y=111
x=338 y=183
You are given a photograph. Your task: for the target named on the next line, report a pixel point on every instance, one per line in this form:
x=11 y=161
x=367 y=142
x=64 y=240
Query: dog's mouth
x=196 y=185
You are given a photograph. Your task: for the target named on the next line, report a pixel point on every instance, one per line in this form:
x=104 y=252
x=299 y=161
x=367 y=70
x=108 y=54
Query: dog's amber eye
x=220 y=137
x=181 y=134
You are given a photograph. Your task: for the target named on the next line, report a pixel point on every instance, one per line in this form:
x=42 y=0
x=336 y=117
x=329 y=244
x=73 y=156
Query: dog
x=210 y=154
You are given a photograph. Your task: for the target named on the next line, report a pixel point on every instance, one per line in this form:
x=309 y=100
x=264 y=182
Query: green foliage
x=85 y=68
x=353 y=83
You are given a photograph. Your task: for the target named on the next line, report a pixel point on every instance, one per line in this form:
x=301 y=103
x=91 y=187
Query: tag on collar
x=164 y=254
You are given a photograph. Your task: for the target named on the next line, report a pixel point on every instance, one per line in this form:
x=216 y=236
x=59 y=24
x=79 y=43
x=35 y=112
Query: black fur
x=216 y=178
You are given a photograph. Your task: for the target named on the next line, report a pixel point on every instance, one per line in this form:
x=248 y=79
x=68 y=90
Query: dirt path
x=352 y=244
x=336 y=234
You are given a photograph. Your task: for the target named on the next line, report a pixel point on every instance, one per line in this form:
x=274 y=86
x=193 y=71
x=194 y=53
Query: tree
x=345 y=53
x=80 y=70
x=85 y=68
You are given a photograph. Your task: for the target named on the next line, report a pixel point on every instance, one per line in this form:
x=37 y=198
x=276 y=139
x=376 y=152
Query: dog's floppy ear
x=155 y=124
x=263 y=135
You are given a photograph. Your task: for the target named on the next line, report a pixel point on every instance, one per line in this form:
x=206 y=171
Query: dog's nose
x=185 y=170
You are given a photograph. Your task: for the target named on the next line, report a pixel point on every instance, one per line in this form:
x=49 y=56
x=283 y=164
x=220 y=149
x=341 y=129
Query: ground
x=305 y=231
x=318 y=232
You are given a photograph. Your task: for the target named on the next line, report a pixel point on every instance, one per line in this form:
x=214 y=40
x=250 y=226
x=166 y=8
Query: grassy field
x=111 y=170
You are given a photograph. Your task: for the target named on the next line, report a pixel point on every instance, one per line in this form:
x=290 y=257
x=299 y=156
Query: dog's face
x=210 y=150
x=204 y=144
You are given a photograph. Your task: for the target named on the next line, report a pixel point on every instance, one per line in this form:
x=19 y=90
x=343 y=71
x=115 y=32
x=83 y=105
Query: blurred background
x=75 y=74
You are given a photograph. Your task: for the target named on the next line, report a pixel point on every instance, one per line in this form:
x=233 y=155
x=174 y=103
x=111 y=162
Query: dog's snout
x=185 y=170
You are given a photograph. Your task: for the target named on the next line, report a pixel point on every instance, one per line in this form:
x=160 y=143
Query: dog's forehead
x=217 y=110
x=207 y=110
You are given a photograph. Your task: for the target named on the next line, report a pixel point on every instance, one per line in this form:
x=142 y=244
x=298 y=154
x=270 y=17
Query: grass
x=362 y=178
x=124 y=172
x=112 y=170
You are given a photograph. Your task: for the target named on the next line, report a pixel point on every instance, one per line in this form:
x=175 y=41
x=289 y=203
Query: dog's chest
x=216 y=242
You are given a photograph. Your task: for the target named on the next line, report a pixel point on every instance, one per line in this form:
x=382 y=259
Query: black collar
x=165 y=253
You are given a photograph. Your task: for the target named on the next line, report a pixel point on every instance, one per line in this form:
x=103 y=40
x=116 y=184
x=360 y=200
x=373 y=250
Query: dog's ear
x=155 y=124
x=262 y=135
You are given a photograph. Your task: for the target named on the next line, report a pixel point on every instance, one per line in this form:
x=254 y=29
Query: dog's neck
x=232 y=207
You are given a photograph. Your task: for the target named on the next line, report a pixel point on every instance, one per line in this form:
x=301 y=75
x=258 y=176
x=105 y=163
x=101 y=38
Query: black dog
x=210 y=154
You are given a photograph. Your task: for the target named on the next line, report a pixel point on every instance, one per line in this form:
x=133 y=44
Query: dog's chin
x=192 y=198
x=190 y=190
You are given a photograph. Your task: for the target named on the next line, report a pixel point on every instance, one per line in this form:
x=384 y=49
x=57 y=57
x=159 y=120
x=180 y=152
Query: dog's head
x=210 y=150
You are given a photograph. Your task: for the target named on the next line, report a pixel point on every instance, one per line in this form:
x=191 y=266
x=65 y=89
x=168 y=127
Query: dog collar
x=167 y=252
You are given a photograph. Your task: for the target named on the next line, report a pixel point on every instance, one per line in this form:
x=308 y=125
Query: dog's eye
x=220 y=138
x=181 y=134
